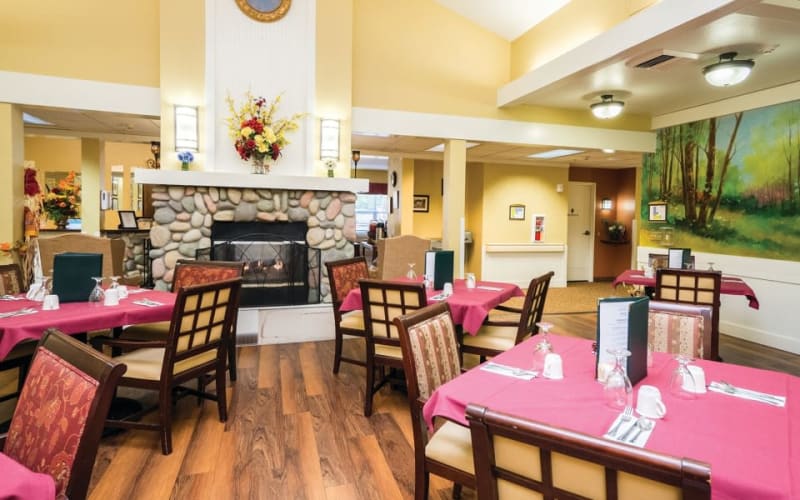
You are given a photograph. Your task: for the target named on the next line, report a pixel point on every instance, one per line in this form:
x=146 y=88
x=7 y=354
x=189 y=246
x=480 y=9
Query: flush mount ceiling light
x=607 y=108
x=728 y=71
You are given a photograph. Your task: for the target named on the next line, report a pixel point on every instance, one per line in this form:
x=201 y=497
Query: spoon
x=643 y=424
x=641 y=421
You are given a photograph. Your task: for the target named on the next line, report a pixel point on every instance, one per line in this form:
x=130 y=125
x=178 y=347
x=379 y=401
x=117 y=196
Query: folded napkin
x=509 y=371
x=761 y=397
x=628 y=433
x=11 y=297
x=137 y=290
x=441 y=296
x=147 y=303
x=21 y=312
x=492 y=288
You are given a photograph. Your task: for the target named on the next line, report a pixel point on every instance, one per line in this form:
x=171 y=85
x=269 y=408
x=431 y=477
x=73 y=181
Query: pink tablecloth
x=731 y=285
x=77 y=317
x=20 y=483
x=469 y=306
x=753 y=448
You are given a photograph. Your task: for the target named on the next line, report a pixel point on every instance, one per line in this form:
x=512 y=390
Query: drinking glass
x=411 y=274
x=44 y=289
x=543 y=347
x=97 y=295
x=618 y=390
x=711 y=266
x=114 y=282
x=682 y=383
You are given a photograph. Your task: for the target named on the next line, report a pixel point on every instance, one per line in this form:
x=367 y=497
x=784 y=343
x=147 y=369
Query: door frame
x=592 y=219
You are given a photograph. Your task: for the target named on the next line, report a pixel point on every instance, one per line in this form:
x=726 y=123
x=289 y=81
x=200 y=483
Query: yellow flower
x=270 y=135
x=259 y=139
x=263 y=147
x=246 y=131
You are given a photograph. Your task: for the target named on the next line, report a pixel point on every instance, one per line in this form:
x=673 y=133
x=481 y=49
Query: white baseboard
x=283 y=325
x=771 y=339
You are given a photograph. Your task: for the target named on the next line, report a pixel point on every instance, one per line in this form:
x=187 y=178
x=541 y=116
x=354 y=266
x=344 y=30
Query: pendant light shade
x=607 y=108
x=728 y=71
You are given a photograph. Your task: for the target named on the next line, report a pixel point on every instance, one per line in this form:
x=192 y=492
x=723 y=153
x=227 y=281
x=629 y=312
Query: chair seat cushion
x=145 y=364
x=146 y=331
x=451 y=444
x=353 y=320
x=497 y=338
x=388 y=351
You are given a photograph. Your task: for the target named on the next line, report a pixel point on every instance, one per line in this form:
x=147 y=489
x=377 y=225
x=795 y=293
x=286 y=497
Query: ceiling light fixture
x=728 y=71
x=607 y=108
x=555 y=153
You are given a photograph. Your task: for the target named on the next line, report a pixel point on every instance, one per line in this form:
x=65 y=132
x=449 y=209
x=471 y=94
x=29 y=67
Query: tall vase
x=61 y=223
x=261 y=165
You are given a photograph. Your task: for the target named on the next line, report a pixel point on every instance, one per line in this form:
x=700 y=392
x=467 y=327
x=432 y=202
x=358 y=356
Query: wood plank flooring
x=297 y=431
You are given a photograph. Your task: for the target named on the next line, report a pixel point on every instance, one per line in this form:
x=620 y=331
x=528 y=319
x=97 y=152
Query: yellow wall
x=428 y=181
x=53 y=154
x=534 y=187
x=129 y=155
x=379 y=176
x=85 y=39
x=473 y=218
x=11 y=170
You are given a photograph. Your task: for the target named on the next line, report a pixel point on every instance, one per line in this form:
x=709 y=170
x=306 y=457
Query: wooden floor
x=297 y=431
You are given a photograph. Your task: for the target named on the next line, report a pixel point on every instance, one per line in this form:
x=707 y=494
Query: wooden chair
x=519 y=458
x=343 y=276
x=382 y=302
x=430 y=359
x=195 y=345
x=693 y=287
x=58 y=421
x=188 y=273
x=11 y=283
x=677 y=328
x=395 y=254
x=113 y=251
x=496 y=336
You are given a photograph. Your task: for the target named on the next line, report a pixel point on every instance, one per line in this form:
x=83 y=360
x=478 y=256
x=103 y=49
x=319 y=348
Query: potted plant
x=616 y=231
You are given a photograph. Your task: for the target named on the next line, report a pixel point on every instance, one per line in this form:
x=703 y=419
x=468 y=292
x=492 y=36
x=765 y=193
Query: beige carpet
x=578 y=297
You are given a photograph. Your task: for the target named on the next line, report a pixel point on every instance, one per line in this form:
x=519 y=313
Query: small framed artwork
x=127 y=219
x=658 y=211
x=516 y=212
x=264 y=10
x=421 y=202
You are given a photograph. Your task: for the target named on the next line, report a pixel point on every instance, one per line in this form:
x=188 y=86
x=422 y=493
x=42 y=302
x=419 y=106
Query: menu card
x=679 y=258
x=439 y=267
x=622 y=324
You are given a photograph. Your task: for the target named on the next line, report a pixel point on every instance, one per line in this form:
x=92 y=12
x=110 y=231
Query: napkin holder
x=73 y=273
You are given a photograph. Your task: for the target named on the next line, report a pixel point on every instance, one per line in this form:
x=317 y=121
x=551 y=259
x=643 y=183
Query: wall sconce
x=356 y=158
x=328 y=139
x=606 y=204
x=155 y=161
x=186 y=128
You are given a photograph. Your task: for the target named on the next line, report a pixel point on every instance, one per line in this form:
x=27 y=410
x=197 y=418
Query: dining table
x=468 y=306
x=140 y=306
x=729 y=285
x=753 y=448
x=19 y=482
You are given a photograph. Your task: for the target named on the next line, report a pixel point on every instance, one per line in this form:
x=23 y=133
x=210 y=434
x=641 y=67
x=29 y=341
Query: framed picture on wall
x=658 y=211
x=127 y=219
x=516 y=212
x=421 y=202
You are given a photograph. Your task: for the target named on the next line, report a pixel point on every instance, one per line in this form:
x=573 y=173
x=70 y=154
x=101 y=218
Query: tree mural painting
x=732 y=183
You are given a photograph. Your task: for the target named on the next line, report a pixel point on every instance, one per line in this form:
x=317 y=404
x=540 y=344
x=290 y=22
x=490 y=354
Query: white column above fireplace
x=254 y=181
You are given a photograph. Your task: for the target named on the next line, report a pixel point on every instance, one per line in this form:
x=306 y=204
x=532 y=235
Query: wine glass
x=682 y=383
x=543 y=347
x=711 y=266
x=618 y=390
x=411 y=274
x=43 y=290
x=114 y=282
x=97 y=294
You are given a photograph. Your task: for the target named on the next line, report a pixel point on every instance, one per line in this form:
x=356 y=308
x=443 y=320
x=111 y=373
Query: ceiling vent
x=661 y=59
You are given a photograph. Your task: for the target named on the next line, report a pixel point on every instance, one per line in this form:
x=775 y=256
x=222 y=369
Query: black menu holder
x=73 y=273
x=679 y=258
x=439 y=264
x=622 y=323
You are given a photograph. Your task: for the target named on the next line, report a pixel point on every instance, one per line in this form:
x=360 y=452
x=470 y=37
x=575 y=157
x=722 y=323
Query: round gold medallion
x=265 y=11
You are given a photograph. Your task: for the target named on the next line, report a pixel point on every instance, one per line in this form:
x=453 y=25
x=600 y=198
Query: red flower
x=274 y=150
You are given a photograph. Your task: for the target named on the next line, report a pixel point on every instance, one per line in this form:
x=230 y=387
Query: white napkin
x=147 y=303
x=492 y=288
x=761 y=397
x=441 y=296
x=508 y=371
x=11 y=297
x=21 y=312
x=641 y=439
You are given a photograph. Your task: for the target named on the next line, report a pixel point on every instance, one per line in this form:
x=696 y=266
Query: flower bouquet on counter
x=63 y=201
x=185 y=157
x=257 y=134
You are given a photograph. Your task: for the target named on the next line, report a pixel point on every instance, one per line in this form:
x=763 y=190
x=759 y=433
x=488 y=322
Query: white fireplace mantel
x=254 y=181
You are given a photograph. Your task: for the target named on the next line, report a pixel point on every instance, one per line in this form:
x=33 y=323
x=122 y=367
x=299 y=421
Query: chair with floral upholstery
x=195 y=345
x=188 y=273
x=382 y=301
x=519 y=458
x=58 y=421
x=677 y=328
x=430 y=359
x=343 y=276
x=11 y=283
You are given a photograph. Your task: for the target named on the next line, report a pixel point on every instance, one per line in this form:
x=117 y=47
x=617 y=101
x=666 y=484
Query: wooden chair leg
x=337 y=352
x=222 y=395
x=421 y=481
x=369 y=389
x=165 y=420
x=232 y=358
x=456 y=491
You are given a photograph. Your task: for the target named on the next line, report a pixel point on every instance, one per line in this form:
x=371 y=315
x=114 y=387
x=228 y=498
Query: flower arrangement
x=257 y=134
x=19 y=246
x=63 y=201
x=616 y=231
x=185 y=157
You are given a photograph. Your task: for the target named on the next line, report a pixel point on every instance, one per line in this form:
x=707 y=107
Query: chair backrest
x=533 y=306
x=395 y=254
x=113 y=251
x=59 y=417
x=515 y=457
x=382 y=301
x=199 y=272
x=343 y=276
x=201 y=326
x=11 y=280
x=693 y=287
x=677 y=328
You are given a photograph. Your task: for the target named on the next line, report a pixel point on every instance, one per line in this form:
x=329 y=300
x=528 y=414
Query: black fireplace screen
x=278 y=270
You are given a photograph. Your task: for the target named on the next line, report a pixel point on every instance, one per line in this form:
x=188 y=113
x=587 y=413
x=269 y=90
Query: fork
x=627 y=416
